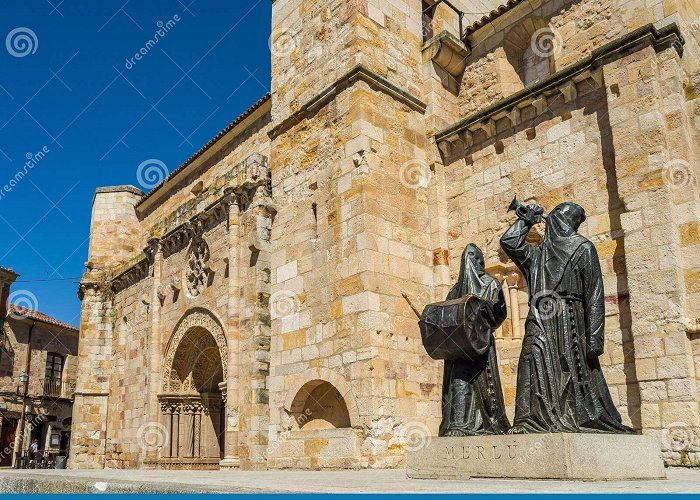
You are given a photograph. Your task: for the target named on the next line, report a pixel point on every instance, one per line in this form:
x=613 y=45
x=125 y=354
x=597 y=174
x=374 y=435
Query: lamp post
x=24 y=380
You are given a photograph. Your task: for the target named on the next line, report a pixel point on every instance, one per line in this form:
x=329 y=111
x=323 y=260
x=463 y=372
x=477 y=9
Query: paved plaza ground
x=111 y=481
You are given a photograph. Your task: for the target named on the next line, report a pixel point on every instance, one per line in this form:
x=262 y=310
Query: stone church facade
x=248 y=312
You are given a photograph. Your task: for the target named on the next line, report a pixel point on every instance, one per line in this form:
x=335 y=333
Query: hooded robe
x=561 y=387
x=472 y=397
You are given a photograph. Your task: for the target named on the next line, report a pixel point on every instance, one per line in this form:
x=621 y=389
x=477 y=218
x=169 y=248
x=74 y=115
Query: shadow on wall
x=318 y=406
x=592 y=101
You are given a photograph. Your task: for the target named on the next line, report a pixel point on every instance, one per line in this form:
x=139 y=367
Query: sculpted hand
x=533 y=214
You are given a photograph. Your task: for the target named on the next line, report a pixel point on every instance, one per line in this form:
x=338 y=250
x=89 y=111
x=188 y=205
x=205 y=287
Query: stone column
x=197 y=432
x=175 y=432
x=186 y=429
x=153 y=413
x=512 y=282
x=167 y=420
x=230 y=387
x=501 y=332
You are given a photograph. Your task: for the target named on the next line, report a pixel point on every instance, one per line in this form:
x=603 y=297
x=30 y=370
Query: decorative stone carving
x=198 y=318
x=198 y=269
x=131 y=276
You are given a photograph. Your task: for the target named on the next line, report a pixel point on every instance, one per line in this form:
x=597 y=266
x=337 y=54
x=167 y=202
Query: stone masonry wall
x=622 y=150
x=306 y=281
x=126 y=331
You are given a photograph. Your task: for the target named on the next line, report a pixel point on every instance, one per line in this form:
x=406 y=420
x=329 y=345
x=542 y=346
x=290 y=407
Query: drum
x=455 y=329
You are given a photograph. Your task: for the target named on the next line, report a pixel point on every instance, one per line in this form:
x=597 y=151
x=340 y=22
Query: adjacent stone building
x=38 y=368
x=248 y=311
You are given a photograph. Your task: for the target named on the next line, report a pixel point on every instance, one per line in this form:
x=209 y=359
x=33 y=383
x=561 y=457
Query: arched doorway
x=192 y=402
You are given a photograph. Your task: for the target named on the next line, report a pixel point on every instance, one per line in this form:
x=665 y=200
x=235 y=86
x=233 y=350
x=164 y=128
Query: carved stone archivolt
x=198 y=340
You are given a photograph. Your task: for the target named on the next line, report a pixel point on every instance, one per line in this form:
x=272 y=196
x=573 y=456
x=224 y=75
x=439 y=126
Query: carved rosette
x=197 y=272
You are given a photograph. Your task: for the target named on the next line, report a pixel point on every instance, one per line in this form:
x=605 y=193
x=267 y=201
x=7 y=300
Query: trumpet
x=521 y=211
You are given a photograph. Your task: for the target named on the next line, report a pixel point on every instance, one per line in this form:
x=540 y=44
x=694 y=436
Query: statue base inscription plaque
x=587 y=457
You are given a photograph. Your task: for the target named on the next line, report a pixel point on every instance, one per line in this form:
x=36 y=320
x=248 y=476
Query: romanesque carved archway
x=190 y=329
x=192 y=403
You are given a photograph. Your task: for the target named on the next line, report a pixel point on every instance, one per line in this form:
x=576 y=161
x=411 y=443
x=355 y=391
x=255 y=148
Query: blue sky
x=77 y=105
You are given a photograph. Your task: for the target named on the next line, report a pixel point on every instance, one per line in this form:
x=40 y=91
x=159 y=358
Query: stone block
x=589 y=457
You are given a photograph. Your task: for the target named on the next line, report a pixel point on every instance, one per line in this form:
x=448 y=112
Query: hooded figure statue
x=472 y=398
x=561 y=387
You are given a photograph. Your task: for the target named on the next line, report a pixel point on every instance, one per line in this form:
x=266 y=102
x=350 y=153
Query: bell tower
x=352 y=188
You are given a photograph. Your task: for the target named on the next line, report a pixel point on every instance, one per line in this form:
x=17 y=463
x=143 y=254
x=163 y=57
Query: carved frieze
x=133 y=275
x=249 y=181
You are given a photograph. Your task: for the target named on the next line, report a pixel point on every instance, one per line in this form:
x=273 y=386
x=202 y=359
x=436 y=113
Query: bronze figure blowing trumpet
x=526 y=213
x=561 y=387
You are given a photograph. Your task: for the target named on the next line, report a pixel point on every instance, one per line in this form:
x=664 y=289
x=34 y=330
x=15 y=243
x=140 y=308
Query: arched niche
x=530 y=48
x=304 y=386
x=319 y=405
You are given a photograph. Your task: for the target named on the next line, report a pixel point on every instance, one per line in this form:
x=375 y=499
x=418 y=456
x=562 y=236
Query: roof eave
x=233 y=129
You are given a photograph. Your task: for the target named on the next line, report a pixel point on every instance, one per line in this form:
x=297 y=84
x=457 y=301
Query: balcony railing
x=52 y=388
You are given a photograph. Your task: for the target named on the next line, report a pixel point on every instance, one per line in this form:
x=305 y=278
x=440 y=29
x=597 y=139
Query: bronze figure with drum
x=560 y=387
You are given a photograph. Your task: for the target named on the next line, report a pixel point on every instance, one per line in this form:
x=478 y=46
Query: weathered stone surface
x=592 y=457
x=305 y=277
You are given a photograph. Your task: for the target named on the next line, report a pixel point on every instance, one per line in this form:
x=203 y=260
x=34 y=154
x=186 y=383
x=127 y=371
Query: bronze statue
x=561 y=387
x=460 y=332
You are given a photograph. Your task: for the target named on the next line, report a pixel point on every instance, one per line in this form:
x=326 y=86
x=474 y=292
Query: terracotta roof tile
x=493 y=15
x=19 y=311
x=209 y=144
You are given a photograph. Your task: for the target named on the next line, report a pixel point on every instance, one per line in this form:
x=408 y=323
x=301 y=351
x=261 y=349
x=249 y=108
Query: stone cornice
x=561 y=81
x=243 y=181
x=359 y=73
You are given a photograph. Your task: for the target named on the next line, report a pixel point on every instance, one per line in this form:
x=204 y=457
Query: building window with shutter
x=54 y=373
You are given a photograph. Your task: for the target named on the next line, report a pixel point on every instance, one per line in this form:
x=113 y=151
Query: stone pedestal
x=589 y=457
